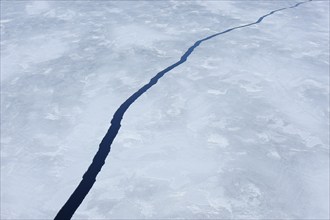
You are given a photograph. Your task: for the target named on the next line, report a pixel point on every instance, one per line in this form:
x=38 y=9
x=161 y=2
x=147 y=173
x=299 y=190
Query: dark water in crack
x=89 y=178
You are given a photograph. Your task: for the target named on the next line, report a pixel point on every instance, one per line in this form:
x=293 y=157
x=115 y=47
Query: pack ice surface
x=241 y=130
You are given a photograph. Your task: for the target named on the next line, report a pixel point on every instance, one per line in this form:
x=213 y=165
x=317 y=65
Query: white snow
x=239 y=131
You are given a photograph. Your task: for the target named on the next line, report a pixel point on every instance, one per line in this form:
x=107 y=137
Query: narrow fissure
x=89 y=178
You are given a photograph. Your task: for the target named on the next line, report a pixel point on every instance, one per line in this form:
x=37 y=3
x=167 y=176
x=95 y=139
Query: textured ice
x=241 y=130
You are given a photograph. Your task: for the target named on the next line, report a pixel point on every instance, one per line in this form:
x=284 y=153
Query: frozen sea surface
x=241 y=130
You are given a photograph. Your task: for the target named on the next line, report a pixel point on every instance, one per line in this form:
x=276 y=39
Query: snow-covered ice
x=241 y=130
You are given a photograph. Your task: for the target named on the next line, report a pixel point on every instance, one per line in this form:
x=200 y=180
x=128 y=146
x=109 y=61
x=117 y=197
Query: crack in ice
x=89 y=178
